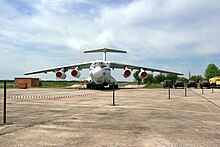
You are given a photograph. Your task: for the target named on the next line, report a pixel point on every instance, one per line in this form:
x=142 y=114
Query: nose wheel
x=115 y=86
x=95 y=86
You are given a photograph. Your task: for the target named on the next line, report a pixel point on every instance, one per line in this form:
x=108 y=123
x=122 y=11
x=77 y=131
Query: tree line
x=211 y=71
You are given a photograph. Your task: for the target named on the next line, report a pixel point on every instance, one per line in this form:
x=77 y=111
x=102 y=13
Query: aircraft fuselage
x=100 y=74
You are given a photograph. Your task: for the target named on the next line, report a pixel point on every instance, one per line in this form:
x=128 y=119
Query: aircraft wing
x=123 y=66
x=65 y=67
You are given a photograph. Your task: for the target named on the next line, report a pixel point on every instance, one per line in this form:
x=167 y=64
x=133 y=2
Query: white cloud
x=154 y=25
x=57 y=31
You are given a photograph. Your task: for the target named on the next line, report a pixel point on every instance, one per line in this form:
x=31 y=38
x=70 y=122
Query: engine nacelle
x=127 y=73
x=60 y=75
x=76 y=73
x=142 y=75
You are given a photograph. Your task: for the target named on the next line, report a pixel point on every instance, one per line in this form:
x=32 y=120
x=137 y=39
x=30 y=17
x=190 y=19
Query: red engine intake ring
x=58 y=74
x=144 y=74
x=127 y=73
x=74 y=73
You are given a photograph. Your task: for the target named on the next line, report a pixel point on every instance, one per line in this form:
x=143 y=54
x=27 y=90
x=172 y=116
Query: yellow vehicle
x=213 y=80
x=218 y=82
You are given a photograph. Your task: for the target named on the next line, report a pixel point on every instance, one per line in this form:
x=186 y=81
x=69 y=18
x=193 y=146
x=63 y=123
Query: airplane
x=100 y=70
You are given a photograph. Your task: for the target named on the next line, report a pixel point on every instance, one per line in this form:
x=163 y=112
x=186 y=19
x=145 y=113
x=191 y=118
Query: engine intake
x=76 y=73
x=142 y=75
x=127 y=73
x=60 y=75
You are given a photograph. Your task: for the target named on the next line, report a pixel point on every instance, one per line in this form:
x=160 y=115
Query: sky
x=176 y=35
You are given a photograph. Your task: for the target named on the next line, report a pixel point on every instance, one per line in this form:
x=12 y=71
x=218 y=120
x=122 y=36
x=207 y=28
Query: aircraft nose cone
x=97 y=72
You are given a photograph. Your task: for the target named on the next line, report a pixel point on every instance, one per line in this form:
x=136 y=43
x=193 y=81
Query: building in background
x=27 y=82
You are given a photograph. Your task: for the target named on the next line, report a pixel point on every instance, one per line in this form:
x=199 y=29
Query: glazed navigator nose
x=97 y=72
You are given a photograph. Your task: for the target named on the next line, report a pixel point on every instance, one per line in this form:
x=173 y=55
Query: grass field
x=58 y=84
x=10 y=84
x=44 y=84
x=50 y=84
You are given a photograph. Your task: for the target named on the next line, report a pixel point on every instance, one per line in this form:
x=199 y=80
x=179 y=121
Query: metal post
x=202 y=91
x=4 y=114
x=169 y=92
x=113 y=89
x=212 y=90
x=185 y=91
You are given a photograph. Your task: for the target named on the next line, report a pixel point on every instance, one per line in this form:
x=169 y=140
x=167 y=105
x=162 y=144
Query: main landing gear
x=101 y=86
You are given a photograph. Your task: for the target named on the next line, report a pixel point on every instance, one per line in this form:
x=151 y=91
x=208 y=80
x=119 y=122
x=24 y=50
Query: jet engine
x=60 y=75
x=142 y=75
x=76 y=73
x=127 y=73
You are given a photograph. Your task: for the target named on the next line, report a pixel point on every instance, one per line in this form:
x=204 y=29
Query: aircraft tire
x=88 y=86
x=115 y=86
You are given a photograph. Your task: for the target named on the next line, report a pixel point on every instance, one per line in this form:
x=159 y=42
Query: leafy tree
x=211 y=71
x=197 y=78
x=172 y=77
x=185 y=80
x=149 y=79
x=136 y=77
x=159 y=78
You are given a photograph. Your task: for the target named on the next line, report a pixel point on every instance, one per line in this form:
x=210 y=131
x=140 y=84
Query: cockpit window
x=101 y=64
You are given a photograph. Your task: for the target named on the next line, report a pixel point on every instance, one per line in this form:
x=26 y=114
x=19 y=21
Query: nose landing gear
x=101 y=86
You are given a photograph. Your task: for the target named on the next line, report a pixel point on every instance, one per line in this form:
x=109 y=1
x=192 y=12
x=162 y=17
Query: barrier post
x=202 y=91
x=185 y=91
x=212 y=90
x=4 y=113
x=169 y=93
x=113 y=90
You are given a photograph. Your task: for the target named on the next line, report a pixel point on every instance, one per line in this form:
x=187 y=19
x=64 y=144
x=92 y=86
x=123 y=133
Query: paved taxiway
x=141 y=117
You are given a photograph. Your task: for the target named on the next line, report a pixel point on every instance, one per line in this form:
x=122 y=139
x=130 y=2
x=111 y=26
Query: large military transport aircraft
x=100 y=70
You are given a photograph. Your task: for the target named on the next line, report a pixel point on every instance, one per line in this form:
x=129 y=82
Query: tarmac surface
x=141 y=117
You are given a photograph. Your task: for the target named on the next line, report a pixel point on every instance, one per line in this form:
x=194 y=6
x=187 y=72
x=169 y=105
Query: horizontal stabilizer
x=104 y=50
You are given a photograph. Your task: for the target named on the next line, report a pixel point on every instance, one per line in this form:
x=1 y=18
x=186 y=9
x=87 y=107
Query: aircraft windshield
x=100 y=64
